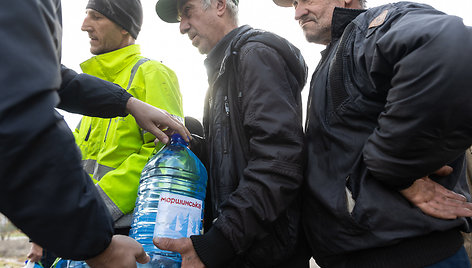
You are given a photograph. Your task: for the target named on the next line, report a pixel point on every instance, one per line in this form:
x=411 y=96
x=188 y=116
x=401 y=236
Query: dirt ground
x=13 y=252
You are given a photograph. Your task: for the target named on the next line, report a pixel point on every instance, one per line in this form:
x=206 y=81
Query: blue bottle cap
x=176 y=137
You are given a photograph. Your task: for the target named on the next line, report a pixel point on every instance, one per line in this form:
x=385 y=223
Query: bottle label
x=178 y=216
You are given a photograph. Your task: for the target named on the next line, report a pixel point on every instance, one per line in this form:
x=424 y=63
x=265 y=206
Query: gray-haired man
x=254 y=140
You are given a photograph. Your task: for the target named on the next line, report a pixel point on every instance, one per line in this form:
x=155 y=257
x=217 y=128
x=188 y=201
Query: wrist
x=130 y=104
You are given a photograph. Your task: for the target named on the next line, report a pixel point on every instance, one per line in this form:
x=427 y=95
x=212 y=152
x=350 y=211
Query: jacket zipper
x=225 y=138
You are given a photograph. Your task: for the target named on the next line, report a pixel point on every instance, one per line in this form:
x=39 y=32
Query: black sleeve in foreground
x=44 y=190
x=48 y=195
x=91 y=96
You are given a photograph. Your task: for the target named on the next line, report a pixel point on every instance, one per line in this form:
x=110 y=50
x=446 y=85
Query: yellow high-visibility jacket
x=114 y=151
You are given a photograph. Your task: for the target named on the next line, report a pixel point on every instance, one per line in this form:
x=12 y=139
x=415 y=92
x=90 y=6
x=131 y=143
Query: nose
x=300 y=11
x=184 y=26
x=86 y=27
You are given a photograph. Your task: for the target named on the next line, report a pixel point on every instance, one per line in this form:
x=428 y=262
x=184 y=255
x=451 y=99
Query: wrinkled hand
x=123 y=252
x=183 y=246
x=155 y=120
x=35 y=253
x=435 y=200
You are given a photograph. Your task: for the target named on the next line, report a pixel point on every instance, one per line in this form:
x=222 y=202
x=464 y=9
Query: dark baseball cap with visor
x=167 y=10
x=283 y=3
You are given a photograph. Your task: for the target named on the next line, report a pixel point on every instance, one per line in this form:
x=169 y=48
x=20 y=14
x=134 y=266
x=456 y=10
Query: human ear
x=352 y=4
x=220 y=7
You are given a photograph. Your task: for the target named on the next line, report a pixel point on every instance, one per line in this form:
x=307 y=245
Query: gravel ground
x=13 y=252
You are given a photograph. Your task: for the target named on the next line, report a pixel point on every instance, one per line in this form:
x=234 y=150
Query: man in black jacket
x=389 y=107
x=254 y=141
x=37 y=150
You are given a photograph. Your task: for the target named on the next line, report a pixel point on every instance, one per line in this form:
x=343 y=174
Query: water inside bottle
x=171 y=192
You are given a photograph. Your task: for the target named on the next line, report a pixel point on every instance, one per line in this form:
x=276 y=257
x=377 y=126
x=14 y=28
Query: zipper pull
x=226 y=105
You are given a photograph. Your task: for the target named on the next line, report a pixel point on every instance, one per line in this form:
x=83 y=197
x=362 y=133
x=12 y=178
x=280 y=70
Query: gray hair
x=230 y=6
x=363 y=3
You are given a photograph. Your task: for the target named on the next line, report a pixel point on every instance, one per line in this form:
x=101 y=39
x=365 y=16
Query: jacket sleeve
x=92 y=96
x=427 y=121
x=44 y=190
x=271 y=180
x=156 y=85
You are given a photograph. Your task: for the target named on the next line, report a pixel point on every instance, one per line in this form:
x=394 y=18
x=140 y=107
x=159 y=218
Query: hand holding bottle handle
x=122 y=252
x=183 y=246
x=155 y=120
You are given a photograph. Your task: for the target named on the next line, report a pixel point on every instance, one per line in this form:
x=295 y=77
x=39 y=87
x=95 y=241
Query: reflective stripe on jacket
x=114 y=151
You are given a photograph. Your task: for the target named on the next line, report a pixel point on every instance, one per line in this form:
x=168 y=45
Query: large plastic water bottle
x=170 y=201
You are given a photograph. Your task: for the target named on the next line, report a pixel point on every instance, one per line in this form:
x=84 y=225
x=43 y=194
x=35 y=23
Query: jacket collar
x=215 y=60
x=231 y=44
x=108 y=66
x=341 y=18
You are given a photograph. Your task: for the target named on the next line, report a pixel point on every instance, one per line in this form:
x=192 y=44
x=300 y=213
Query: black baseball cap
x=283 y=3
x=167 y=10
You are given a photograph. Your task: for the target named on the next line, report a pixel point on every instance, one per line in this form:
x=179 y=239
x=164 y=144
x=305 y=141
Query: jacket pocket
x=353 y=209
